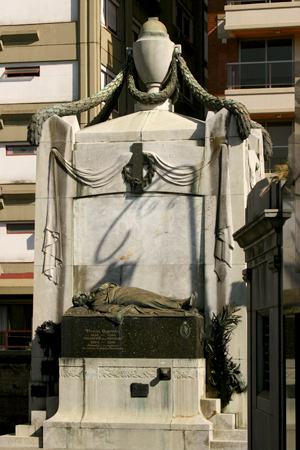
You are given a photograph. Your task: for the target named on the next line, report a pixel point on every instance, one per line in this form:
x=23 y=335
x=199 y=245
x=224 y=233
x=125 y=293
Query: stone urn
x=152 y=53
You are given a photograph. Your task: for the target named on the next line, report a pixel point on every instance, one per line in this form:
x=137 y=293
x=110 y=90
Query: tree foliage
x=225 y=375
x=49 y=335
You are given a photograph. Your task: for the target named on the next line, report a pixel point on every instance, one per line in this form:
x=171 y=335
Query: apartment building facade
x=254 y=53
x=52 y=52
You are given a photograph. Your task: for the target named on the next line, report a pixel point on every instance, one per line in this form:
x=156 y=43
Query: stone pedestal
x=130 y=386
x=125 y=404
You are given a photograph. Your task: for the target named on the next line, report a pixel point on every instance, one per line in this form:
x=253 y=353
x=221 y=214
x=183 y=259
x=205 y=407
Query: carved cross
x=137 y=161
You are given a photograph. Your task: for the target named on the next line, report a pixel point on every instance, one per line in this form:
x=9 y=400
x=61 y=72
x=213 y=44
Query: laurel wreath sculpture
x=147 y=179
x=110 y=93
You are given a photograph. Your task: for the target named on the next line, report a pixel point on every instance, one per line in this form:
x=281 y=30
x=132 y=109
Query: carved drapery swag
x=184 y=175
x=52 y=246
x=216 y=130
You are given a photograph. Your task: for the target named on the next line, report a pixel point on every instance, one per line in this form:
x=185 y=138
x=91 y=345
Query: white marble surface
x=164 y=259
x=97 y=411
x=184 y=153
x=149 y=229
x=144 y=126
x=51 y=300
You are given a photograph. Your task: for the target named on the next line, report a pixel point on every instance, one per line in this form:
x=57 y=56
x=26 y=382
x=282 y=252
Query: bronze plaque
x=94 y=340
x=137 y=337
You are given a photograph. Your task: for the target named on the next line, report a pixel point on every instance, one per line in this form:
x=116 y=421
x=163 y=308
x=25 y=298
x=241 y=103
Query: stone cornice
x=269 y=220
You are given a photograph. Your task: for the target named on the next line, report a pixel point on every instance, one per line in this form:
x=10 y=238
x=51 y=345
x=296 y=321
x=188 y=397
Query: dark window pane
x=20 y=227
x=20 y=150
x=186 y=27
x=17 y=72
x=112 y=14
x=280 y=133
x=179 y=17
x=280 y=74
x=253 y=75
x=279 y=50
x=252 y=51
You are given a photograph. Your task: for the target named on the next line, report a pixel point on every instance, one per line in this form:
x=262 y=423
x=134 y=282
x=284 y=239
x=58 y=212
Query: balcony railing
x=263 y=74
x=14 y=339
x=249 y=2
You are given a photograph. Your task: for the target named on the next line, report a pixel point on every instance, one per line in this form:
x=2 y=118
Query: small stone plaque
x=139 y=390
x=137 y=337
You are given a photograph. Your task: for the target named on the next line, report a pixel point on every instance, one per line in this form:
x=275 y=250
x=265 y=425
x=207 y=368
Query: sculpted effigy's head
x=81 y=299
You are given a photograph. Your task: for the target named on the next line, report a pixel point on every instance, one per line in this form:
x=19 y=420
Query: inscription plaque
x=101 y=339
x=137 y=337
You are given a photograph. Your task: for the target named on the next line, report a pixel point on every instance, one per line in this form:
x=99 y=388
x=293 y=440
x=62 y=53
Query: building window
x=109 y=15
x=12 y=150
x=106 y=77
x=184 y=22
x=187 y=94
x=264 y=63
x=136 y=26
x=280 y=133
x=20 y=228
x=19 y=72
x=15 y=323
x=263 y=352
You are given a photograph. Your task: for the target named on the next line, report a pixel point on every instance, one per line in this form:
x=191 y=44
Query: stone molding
x=128 y=372
x=71 y=372
x=268 y=221
x=185 y=373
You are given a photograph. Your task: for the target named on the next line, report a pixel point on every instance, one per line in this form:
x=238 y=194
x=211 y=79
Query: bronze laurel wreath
x=111 y=92
x=147 y=179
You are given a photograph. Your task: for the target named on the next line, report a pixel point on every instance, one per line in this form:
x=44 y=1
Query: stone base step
x=223 y=421
x=230 y=435
x=228 y=445
x=26 y=448
x=28 y=430
x=8 y=441
x=37 y=418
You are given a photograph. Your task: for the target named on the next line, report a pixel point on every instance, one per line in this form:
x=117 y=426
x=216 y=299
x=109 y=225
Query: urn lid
x=153 y=27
